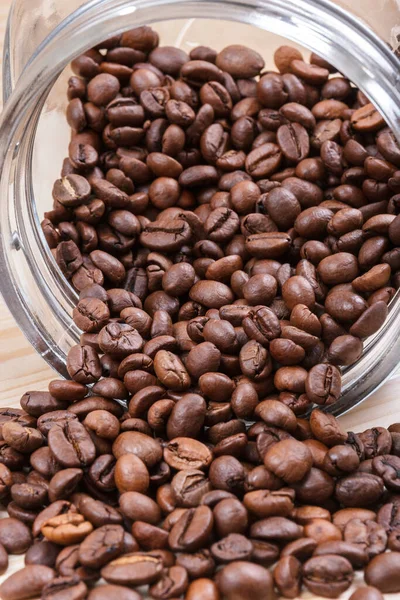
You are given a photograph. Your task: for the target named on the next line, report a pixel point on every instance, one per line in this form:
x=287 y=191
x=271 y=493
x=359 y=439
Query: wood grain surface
x=21 y=369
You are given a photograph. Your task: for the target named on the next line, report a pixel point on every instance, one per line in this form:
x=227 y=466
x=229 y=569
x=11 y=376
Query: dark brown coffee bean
x=22 y=439
x=42 y=553
x=287 y=576
x=192 y=530
x=328 y=575
x=289 y=460
x=202 y=588
x=283 y=207
x=241 y=579
x=312 y=74
x=227 y=473
x=240 y=61
x=120 y=340
x=101 y=546
x=367 y=119
x=83 y=365
x=265 y=503
x=133 y=569
x=323 y=384
x=366 y=593
x=232 y=547
x=28 y=496
x=131 y=474
x=14 y=536
x=71 y=444
x=263 y=161
x=359 y=489
x=367 y=535
x=293 y=141
x=276 y=528
x=376 y=441
x=268 y=245
x=170 y=371
x=70 y=391
x=143 y=446
x=27 y=582
x=69 y=586
x=382 y=572
x=71 y=190
x=186 y=453
x=198 y=564
x=103 y=592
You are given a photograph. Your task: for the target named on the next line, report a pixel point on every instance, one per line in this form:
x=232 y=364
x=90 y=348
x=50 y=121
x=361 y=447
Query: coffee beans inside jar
x=233 y=234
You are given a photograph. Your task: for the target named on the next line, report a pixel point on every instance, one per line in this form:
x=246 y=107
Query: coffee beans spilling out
x=234 y=236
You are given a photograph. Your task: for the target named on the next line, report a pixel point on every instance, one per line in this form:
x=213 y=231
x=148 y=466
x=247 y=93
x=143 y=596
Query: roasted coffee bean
x=289 y=460
x=66 y=529
x=64 y=483
x=71 y=444
x=376 y=441
x=186 y=453
x=202 y=588
x=265 y=503
x=366 y=593
x=22 y=439
x=276 y=528
x=28 y=496
x=171 y=371
x=287 y=576
x=87 y=405
x=71 y=586
x=103 y=592
x=25 y=515
x=240 y=579
x=197 y=564
x=189 y=486
x=14 y=536
x=131 y=474
x=192 y=530
x=69 y=391
x=133 y=569
x=83 y=366
x=328 y=575
x=137 y=506
x=101 y=546
x=233 y=547
x=143 y=446
x=98 y=513
x=323 y=384
x=27 y=582
x=368 y=535
x=383 y=573
x=354 y=553
x=42 y=553
x=359 y=489
x=173 y=582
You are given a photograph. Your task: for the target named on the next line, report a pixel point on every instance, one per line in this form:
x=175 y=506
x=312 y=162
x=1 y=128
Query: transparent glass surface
x=42 y=41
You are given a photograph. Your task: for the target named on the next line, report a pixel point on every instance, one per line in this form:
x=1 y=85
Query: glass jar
x=43 y=36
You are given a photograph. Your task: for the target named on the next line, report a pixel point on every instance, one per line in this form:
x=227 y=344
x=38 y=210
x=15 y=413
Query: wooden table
x=21 y=369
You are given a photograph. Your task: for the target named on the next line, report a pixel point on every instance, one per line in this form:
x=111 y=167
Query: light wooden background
x=21 y=369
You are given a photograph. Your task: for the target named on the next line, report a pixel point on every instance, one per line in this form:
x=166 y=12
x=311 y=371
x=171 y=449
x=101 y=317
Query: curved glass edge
x=37 y=295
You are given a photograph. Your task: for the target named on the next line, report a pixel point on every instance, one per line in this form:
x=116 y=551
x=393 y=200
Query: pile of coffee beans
x=234 y=236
